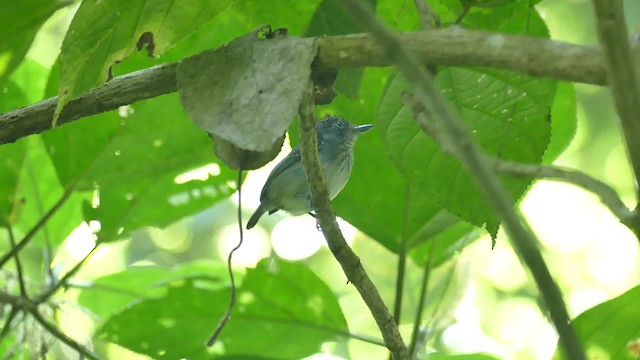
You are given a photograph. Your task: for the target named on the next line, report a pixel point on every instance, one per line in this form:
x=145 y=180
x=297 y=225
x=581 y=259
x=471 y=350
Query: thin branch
x=65 y=279
x=450 y=46
x=606 y=193
x=417 y=323
x=400 y=274
x=48 y=250
x=621 y=75
x=327 y=220
x=53 y=330
x=428 y=19
x=232 y=298
x=12 y=240
x=27 y=238
x=8 y=323
x=520 y=234
x=402 y=256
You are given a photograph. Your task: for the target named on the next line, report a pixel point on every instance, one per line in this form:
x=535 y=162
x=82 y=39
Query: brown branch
x=622 y=75
x=467 y=151
x=450 y=46
x=326 y=217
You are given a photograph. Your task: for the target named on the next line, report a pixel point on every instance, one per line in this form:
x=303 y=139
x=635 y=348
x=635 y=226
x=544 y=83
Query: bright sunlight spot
x=201 y=173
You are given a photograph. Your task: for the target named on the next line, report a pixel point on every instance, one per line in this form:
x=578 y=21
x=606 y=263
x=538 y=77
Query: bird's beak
x=362 y=128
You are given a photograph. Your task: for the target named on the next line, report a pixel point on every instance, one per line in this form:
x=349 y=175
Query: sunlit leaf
x=147 y=163
x=276 y=301
x=105 y=32
x=610 y=330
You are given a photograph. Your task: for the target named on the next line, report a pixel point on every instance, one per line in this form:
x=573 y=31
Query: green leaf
x=40 y=188
x=11 y=159
x=31 y=77
x=111 y=294
x=20 y=21
x=610 y=330
x=330 y=19
x=105 y=32
x=398 y=15
x=276 y=301
x=140 y=164
x=507 y=114
x=564 y=121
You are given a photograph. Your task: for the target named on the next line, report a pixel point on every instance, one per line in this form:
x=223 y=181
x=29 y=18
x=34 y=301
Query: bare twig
x=417 y=323
x=8 y=323
x=327 y=219
x=606 y=193
x=27 y=238
x=428 y=19
x=64 y=281
x=449 y=46
x=468 y=152
x=622 y=76
x=12 y=240
x=53 y=330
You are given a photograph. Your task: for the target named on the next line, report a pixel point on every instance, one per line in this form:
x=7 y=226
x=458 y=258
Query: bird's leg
x=312 y=212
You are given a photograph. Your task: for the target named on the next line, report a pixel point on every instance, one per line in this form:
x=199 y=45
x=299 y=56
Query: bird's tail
x=256 y=216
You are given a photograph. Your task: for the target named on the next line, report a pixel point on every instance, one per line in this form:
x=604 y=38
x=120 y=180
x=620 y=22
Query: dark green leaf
x=20 y=21
x=610 y=330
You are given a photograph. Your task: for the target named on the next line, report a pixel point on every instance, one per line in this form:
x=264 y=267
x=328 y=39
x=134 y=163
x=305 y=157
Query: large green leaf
x=20 y=22
x=283 y=311
x=610 y=330
x=239 y=19
x=132 y=161
x=508 y=114
x=105 y=32
x=111 y=294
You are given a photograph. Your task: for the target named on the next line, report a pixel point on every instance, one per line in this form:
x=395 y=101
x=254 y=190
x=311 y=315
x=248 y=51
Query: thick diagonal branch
x=467 y=151
x=326 y=217
x=622 y=75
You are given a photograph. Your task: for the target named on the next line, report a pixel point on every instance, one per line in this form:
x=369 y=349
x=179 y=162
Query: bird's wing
x=293 y=157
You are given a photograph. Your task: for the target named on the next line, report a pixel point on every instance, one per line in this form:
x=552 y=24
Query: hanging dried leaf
x=248 y=91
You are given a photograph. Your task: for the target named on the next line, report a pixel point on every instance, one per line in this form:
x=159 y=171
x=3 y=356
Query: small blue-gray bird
x=286 y=187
